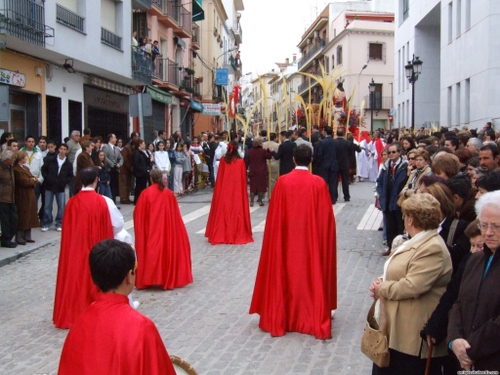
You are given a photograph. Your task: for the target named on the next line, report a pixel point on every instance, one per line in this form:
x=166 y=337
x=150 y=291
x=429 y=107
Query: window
x=375 y=51
x=457 y=104
x=327 y=65
x=406 y=9
x=333 y=62
x=448 y=105
x=467 y=14
x=467 y=101
x=450 y=22
x=339 y=55
x=400 y=64
x=459 y=17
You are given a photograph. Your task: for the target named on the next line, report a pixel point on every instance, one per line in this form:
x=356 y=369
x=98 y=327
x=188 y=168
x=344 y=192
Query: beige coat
x=416 y=278
x=25 y=198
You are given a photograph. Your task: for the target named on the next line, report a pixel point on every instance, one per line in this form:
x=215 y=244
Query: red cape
x=112 y=338
x=296 y=285
x=161 y=241
x=379 y=146
x=86 y=222
x=229 y=218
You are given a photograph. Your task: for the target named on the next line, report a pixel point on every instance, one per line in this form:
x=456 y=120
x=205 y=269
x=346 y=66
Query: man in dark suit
x=327 y=160
x=343 y=158
x=285 y=152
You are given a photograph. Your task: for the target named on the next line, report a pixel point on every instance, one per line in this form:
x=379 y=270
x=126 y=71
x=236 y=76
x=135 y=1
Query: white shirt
x=117 y=221
x=162 y=161
x=35 y=162
x=60 y=162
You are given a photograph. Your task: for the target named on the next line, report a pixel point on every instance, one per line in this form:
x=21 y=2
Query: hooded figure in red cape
x=110 y=337
x=161 y=239
x=229 y=218
x=296 y=284
x=86 y=222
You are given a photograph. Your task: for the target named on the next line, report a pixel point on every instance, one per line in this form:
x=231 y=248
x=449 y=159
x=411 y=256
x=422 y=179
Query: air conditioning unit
x=316 y=33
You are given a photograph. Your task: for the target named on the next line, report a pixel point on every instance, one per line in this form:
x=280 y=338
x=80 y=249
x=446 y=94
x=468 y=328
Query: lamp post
x=372 y=87
x=413 y=70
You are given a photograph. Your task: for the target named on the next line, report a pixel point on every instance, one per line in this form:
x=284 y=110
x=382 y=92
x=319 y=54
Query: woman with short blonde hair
x=414 y=279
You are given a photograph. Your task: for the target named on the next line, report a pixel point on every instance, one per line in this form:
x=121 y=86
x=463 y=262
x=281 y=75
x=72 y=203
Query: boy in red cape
x=86 y=221
x=110 y=337
x=161 y=239
x=229 y=217
x=296 y=284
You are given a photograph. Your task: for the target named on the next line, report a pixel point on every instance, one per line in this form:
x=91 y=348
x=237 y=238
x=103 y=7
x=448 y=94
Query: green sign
x=159 y=95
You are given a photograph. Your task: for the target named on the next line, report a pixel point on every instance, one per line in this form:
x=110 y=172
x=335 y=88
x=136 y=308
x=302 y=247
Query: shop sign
x=221 y=77
x=12 y=78
x=211 y=109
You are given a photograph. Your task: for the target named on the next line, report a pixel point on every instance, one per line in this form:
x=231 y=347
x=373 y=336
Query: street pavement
x=206 y=323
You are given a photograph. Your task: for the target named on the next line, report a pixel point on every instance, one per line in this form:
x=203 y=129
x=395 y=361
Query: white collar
x=302 y=168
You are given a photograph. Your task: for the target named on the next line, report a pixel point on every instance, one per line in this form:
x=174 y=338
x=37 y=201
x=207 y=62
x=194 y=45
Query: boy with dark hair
x=110 y=337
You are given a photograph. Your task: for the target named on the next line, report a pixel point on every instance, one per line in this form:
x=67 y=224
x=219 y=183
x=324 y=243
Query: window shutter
x=71 y=5
x=108 y=15
x=384 y=53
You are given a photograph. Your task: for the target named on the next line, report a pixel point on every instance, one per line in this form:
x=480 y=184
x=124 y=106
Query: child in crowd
x=104 y=176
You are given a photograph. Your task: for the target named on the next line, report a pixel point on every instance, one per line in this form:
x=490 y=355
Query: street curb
x=19 y=254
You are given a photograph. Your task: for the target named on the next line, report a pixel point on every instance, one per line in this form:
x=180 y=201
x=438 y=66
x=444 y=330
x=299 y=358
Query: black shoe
x=9 y=244
x=347 y=200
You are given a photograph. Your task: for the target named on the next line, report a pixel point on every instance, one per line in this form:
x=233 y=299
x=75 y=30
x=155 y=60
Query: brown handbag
x=374 y=342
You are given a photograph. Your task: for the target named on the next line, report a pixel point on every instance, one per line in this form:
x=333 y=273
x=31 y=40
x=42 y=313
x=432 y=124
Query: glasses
x=393 y=152
x=484 y=227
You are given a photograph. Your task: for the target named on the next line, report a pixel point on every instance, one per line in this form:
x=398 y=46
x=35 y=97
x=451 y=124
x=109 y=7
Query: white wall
x=87 y=47
x=67 y=87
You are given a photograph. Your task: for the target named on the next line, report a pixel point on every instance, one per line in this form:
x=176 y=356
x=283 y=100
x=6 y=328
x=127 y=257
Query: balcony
x=238 y=33
x=111 y=39
x=187 y=82
x=70 y=19
x=166 y=73
x=311 y=53
x=141 y=4
x=25 y=20
x=142 y=66
x=156 y=8
x=184 y=27
x=304 y=86
x=379 y=102
x=170 y=14
x=195 y=37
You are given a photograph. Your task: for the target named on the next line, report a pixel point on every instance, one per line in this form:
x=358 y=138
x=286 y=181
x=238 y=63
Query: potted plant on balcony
x=189 y=71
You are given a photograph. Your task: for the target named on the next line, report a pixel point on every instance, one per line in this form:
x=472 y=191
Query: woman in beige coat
x=25 y=199
x=414 y=279
x=422 y=169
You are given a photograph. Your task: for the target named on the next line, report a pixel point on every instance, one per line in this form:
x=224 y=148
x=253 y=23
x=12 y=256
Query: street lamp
x=413 y=70
x=372 y=86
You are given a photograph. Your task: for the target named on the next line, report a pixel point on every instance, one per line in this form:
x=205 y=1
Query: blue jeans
x=105 y=190
x=49 y=202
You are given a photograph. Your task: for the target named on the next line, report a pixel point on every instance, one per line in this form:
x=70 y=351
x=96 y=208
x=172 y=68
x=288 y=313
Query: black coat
x=53 y=179
x=328 y=155
x=285 y=156
x=141 y=163
x=460 y=247
x=343 y=155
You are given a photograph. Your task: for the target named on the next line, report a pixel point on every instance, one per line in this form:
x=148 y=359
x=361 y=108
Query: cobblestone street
x=206 y=323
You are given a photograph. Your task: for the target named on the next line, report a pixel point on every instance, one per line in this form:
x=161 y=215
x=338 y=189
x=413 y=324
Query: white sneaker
x=136 y=304
x=59 y=229
x=333 y=313
x=45 y=229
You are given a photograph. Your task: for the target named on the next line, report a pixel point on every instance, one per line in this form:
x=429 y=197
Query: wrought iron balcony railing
x=186 y=19
x=312 y=52
x=142 y=66
x=173 y=10
x=195 y=34
x=25 y=20
x=141 y=4
x=379 y=102
x=68 y=18
x=166 y=70
x=111 y=39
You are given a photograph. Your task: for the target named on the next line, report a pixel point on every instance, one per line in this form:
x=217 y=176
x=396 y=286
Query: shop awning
x=159 y=95
x=198 y=13
x=196 y=106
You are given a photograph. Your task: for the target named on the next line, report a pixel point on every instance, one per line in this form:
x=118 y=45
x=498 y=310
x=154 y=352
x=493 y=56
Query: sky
x=271 y=30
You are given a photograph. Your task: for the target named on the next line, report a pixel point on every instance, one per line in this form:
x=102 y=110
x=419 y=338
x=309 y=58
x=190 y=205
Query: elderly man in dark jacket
x=8 y=211
x=57 y=172
x=390 y=182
